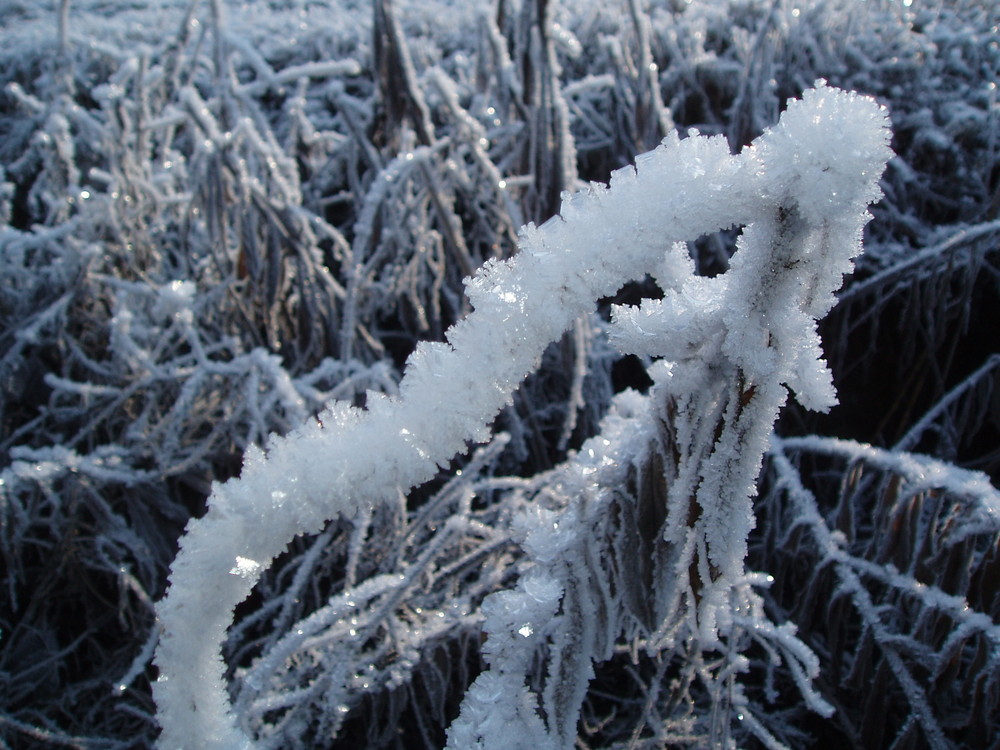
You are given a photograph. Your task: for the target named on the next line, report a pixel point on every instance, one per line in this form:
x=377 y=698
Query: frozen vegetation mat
x=358 y=391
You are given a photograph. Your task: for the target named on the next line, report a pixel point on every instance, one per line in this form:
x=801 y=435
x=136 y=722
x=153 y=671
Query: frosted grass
x=199 y=249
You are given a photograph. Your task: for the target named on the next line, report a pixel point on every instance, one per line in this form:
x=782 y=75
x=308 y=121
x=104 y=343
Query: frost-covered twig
x=604 y=237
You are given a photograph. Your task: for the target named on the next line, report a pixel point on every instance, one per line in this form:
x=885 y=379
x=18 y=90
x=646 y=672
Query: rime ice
x=801 y=191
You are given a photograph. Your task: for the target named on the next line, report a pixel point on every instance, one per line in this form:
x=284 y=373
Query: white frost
x=821 y=162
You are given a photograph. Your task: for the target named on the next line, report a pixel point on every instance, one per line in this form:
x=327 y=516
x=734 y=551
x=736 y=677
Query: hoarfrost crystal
x=801 y=190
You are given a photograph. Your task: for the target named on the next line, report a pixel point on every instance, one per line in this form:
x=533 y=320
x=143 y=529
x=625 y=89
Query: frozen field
x=219 y=220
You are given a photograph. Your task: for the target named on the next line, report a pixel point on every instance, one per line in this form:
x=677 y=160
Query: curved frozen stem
x=349 y=460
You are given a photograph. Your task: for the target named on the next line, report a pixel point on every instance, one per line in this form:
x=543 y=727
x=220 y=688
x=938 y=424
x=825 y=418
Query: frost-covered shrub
x=209 y=226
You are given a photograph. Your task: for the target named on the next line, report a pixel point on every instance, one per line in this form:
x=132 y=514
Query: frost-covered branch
x=820 y=164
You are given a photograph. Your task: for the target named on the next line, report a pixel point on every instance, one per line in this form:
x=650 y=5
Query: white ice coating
x=822 y=161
